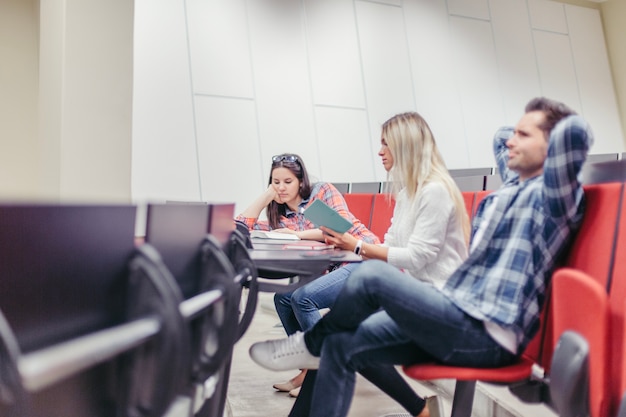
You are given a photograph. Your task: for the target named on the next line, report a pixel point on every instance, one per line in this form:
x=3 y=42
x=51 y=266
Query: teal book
x=321 y=214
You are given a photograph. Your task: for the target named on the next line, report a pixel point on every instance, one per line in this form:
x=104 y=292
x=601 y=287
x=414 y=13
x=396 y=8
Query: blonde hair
x=417 y=161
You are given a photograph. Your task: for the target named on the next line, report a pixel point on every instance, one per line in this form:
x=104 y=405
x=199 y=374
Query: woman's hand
x=271 y=194
x=341 y=240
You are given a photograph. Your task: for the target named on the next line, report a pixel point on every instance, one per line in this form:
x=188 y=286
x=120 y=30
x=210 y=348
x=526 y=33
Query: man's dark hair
x=553 y=110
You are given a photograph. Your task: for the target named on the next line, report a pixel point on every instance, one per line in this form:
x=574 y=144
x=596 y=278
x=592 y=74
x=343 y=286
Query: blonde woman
x=427 y=240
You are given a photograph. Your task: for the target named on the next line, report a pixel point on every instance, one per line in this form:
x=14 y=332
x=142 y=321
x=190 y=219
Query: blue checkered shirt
x=504 y=278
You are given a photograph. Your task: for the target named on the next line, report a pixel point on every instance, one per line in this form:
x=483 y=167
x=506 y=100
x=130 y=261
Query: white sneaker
x=284 y=354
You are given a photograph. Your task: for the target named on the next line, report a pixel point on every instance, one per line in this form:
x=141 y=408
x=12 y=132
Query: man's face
x=528 y=147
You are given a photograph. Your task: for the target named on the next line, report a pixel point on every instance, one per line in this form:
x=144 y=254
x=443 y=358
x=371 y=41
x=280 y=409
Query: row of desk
x=94 y=321
x=274 y=262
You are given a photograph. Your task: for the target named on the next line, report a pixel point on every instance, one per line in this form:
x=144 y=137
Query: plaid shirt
x=296 y=221
x=504 y=278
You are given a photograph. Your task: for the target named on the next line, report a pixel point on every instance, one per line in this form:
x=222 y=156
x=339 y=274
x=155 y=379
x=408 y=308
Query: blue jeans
x=383 y=316
x=299 y=309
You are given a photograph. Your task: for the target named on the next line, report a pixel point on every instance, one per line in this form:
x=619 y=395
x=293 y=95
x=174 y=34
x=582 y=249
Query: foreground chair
x=206 y=278
x=88 y=324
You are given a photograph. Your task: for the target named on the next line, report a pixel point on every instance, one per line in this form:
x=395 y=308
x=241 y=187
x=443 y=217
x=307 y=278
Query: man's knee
x=338 y=346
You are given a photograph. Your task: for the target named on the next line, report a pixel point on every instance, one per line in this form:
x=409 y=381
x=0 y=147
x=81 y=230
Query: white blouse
x=425 y=237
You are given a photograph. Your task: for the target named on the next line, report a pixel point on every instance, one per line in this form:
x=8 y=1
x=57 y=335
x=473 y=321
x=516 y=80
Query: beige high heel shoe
x=285 y=386
x=292 y=384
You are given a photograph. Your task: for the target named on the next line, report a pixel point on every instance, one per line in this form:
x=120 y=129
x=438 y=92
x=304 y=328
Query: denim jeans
x=383 y=316
x=299 y=309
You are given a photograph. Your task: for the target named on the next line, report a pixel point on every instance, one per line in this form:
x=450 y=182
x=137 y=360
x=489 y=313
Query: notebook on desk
x=264 y=234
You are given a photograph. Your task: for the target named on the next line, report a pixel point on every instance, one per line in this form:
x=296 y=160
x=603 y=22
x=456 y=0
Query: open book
x=321 y=214
x=262 y=234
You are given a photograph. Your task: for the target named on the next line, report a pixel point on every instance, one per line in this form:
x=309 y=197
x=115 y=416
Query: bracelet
x=357 y=248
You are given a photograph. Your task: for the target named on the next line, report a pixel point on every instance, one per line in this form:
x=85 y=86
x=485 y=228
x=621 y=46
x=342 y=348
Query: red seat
x=580 y=303
x=480 y=195
x=466 y=378
x=468 y=199
x=575 y=300
x=382 y=211
x=360 y=204
x=617 y=298
x=591 y=252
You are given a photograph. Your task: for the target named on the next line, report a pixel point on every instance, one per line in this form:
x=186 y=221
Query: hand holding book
x=321 y=214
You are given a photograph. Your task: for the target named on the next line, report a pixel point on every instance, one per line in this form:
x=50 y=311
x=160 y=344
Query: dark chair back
x=88 y=326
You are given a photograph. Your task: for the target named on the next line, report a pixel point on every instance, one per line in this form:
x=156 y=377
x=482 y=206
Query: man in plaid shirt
x=489 y=309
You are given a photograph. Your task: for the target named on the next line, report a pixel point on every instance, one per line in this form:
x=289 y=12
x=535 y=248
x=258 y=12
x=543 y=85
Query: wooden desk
x=302 y=266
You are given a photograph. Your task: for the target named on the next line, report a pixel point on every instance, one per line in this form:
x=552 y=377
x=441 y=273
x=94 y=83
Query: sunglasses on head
x=286 y=158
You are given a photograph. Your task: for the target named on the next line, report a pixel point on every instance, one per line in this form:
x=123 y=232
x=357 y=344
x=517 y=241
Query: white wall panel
x=319 y=77
x=556 y=68
x=164 y=148
x=231 y=167
x=281 y=76
x=389 y=2
x=344 y=142
x=480 y=93
x=478 y=9
x=386 y=66
x=334 y=53
x=218 y=39
x=432 y=66
x=547 y=15
x=599 y=105
x=515 y=56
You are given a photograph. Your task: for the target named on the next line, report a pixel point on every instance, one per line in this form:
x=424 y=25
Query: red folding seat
x=382 y=211
x=360 y=204
x=468 y=199
x=592 y=253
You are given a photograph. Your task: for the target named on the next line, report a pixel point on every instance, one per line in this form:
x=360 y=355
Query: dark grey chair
x=88 y=324
x=208 y=283
x=470 y=172
x=473 y=183
x=365 y=187
x=342 y=187
x=601 y=172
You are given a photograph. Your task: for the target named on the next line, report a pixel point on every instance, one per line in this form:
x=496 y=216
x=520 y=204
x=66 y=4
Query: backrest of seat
x=617 y=300
x=221 y=221
x=361 y=205
x=468 y=199
x=62 y=269
x=176 y=231
x=580 y=291
x=580 y=304
x=365 y=187
x=471 y=183
x=63 y=274
x=382 y=211
x=480 y=195
x=342 y=187
x=592 y=250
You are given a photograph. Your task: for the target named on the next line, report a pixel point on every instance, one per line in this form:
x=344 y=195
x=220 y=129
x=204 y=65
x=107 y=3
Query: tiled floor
x=250 y=392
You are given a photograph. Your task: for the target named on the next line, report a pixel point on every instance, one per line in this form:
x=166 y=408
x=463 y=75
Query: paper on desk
x=262 y=234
